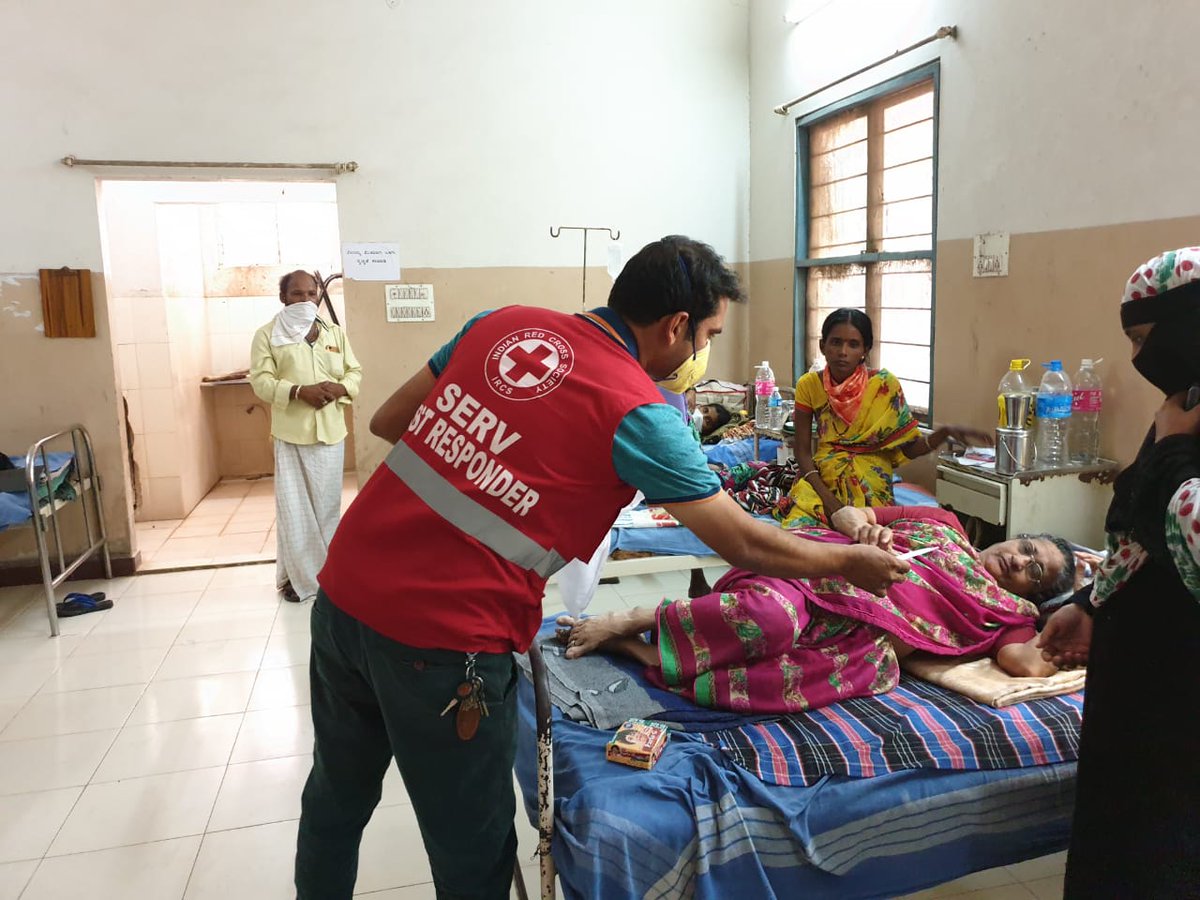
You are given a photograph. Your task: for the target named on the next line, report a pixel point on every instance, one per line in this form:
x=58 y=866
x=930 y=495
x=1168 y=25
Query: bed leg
x=545 y=771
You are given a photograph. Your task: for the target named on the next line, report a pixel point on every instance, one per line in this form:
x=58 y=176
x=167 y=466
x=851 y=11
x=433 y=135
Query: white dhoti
x=308 y=505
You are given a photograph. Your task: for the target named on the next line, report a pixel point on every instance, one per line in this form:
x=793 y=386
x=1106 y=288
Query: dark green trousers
x=373 y=700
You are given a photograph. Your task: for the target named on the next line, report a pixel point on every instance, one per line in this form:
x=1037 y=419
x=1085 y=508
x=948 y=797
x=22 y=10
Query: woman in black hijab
x=1136 y=831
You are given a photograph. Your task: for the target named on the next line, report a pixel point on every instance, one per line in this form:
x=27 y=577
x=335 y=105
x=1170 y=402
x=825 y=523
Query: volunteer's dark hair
x=848 y=316
x=674 y=274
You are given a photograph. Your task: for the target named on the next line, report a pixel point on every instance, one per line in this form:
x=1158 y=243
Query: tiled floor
x=234 y=523
x=157 y=750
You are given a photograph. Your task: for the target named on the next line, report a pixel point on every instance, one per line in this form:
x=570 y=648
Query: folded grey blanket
x=590 y=689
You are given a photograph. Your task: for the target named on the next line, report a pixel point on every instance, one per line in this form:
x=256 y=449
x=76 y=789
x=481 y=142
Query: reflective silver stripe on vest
x=464 y=513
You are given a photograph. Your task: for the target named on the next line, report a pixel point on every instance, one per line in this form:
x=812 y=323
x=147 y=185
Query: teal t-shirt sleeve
x=654 y=451
x=437 y=362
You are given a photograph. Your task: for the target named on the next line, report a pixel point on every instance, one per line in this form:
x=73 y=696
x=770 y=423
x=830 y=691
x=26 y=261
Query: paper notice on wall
x=616 y=259
x=371 y=262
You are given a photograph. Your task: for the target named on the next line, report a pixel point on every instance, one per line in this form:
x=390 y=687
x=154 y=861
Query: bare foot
x=583 y=636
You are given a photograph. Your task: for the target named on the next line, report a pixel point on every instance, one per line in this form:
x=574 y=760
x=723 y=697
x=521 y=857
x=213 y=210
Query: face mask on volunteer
x=689 y=374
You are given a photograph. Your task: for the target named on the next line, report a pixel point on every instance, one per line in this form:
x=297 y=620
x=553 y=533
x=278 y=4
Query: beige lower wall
x=391 y=353
x=241 y=424
x=1059 y=301
x=50 y=383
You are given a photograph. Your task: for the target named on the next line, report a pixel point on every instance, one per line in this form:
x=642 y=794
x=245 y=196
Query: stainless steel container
x=1014 y=450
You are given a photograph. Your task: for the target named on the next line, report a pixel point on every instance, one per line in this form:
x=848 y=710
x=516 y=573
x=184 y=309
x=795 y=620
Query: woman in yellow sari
x=864 y=427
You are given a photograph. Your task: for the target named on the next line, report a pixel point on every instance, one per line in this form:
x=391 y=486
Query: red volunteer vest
x=504 y=475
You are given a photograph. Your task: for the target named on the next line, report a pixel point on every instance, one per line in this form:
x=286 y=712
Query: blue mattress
x=14 y=505
x=697 y=825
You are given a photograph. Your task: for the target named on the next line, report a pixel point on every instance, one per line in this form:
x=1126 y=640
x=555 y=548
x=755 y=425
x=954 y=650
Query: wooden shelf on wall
x=67 y=303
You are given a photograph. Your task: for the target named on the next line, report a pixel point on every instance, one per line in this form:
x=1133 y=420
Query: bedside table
x=1070 y=502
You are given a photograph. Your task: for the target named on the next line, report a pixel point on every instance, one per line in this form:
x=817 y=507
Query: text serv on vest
x=469 y=437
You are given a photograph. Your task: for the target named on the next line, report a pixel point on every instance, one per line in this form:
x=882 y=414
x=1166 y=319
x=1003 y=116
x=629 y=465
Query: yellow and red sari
x=855 y=458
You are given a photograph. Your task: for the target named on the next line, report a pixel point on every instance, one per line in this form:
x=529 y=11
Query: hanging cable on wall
x=612 y=235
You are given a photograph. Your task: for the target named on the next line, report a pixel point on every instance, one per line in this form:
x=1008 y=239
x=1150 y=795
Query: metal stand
x=612 y=235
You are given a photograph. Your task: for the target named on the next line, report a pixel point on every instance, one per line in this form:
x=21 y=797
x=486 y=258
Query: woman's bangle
x=810 y=472
x=293 y=392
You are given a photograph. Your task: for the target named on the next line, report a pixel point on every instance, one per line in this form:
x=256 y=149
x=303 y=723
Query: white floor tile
x=154 y=871
x=392 y=854
x=1041 y=867
x=212 y=658
x=257 y=793
x=394 y=792
x=246 y=864
x=79 y=673
x=137 y=810
x=292 y=617
x=288 y=649
x=33 y=621
x=19 y=648
x=44 y=764
x=71 y=712
x=412 y=892
x=9 y=709
x=239 y=576
x=169 y=583
x=275 y=688
x=29 y=822
x=14 y=877
x=191 y=698
x=163 y=747
x=204 y=627
x=20 y=681
x=1046 y=888
x=117 y=636
x=145 y=609
x=238 y=599
x=271 y=733
x=112 y=587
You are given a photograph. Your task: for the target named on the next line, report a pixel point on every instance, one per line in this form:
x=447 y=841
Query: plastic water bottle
x=764 y=385
x=775 y=407
x=1015 y=382
x=1053 y=416
x=1086 y=401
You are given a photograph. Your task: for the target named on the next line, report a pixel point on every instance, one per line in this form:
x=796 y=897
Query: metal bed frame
x=44 y=513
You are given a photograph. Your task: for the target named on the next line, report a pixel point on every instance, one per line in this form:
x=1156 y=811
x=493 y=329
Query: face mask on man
x=689 y=374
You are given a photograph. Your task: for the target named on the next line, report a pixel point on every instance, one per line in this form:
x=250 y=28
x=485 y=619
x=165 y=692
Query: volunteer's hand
x=1172 y=419
x=1084 y=561
x=873 y=569
x=1067 y=637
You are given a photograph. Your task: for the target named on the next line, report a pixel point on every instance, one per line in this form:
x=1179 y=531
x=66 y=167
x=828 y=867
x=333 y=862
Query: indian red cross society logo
x=528 y=364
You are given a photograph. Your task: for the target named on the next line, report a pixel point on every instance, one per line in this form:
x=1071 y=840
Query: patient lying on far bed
x=766 y=645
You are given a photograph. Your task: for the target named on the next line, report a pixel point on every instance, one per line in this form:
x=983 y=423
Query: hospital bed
x=699 y=825
x=45 y=482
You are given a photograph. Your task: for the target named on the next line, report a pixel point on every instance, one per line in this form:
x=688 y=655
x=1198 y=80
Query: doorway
x=192 y=272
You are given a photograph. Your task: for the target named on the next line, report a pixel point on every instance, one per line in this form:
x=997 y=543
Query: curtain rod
x=339 y=168
x=950 y=31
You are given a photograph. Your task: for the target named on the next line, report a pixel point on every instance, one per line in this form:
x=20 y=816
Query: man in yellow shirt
x=304 y=367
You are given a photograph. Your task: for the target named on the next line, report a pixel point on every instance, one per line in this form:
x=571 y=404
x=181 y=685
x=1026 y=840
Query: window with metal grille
x=865 y=236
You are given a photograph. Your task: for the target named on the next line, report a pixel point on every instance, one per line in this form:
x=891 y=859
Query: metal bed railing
x=86 y=481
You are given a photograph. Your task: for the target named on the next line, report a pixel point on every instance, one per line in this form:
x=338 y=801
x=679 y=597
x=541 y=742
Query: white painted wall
x=476 y=125
x=1053 y=115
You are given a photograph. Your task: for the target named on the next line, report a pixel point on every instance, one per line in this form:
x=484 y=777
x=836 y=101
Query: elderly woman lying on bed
x=760 y=644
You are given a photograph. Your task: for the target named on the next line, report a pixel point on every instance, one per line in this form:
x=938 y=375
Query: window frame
x=802 y=262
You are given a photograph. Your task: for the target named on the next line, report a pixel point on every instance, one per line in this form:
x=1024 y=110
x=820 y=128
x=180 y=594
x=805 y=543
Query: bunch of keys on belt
x=468 y=697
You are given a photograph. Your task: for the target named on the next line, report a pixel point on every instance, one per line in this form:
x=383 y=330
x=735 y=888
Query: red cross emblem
x=528 y=364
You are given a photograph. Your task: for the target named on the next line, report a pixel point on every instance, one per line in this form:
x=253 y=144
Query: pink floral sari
x=760 y=644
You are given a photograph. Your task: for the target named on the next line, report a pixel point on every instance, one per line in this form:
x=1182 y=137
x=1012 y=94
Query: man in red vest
x=515 y=447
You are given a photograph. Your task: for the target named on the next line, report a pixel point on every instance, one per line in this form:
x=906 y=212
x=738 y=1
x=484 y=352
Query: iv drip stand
x=612 y=235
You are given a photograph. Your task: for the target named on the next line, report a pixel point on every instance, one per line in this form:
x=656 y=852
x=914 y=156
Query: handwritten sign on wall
x=371 y=262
